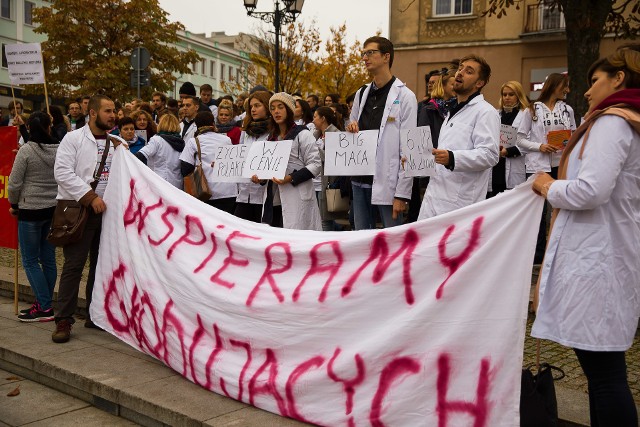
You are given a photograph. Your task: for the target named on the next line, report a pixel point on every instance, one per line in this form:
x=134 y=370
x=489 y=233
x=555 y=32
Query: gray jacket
x=31 y=183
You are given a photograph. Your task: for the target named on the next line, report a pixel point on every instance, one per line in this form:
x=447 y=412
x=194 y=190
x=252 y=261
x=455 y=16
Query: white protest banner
x=24 y=62
x=229 y=163
x=416 y=325
x=416 y=146
x=350 y=154
x=508 y=136
x=267 y=159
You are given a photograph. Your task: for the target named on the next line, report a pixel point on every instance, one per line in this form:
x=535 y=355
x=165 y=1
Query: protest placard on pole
x=508 y=136
x=350 y=154
x=229 y=163
x=267 y=159
x=416 y=146
x=24 y=62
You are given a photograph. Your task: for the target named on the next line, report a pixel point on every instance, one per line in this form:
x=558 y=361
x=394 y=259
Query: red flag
x=8 y=224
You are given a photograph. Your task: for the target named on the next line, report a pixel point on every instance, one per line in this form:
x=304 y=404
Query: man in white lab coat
x=468 y=146
x=388 y=105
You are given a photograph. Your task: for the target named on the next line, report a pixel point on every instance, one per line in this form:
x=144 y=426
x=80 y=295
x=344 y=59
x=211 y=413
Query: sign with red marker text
x=267 y=159
x=24 y=62
x=416 y=147
x=508 y=136
x=9 y=228
x=350 y=154
x=404 y=326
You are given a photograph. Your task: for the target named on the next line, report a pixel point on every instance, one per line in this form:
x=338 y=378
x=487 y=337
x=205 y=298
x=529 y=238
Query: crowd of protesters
x=590 y=284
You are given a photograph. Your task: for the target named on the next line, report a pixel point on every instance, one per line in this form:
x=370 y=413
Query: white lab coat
x=76 y=162
x=248 y=192
x=400 y=112
x=590 y=279
x=473 y=135
x=163 y=160
x=299 y=206
x=514 y=166
x=533 y=133
x=209 y=143
x=191 y=131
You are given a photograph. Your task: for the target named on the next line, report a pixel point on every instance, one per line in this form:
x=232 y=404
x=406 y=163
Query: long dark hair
x=307 y=114
x=56 y=113
x=274 y=129
x=554 y=80
x=39 y=124
x=331 y=117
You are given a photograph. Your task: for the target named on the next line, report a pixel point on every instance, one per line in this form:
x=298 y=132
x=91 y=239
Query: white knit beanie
x=285 y=98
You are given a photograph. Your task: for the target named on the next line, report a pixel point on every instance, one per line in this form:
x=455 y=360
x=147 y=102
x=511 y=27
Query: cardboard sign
x=9 y=228
x=229 y=163
x=142 y=133
x=25 y=63
x=350 y=154
x=508 y=136
x=267 y=159
x=393 y=327
x=416 y=147
x=558 y=139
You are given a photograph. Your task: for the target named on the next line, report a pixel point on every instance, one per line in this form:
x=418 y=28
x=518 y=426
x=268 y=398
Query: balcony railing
x=543 y=18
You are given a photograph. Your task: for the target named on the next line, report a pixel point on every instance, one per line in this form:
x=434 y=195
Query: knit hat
x=187 y=88
x=257 y=88
x=285 y=98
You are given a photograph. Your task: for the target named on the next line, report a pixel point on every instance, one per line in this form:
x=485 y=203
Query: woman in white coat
x=162 y=153
x=255 y=127
x=589 y=296
x=549 y=113
x=299 y=207
x=510 y=170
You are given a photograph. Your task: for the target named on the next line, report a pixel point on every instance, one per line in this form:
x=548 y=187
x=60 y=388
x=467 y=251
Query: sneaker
x=37 y=315
x=27 y=310
x=62 y=332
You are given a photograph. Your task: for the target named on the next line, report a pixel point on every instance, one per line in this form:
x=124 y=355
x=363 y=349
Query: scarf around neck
x=256 y=128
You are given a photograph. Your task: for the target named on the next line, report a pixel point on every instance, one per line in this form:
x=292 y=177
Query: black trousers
x=75 y=257
x=249 y=211
x=610 y=401
x=541 y=243
x=227 y=204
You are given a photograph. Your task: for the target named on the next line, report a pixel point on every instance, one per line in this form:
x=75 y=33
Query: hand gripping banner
x=421 y=324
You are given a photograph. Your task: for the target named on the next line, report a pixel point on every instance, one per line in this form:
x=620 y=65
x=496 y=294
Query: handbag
x=70 y=216
x=538 y=402
x=196 y=182
x=335 y=201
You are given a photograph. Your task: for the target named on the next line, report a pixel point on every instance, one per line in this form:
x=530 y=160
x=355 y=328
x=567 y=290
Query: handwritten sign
x=25 y=63
x=350 y=154
x=416 y=147
x=267 y=159
x=229 y=163
x=142 y=133
x=292 y=321
x=508 y=136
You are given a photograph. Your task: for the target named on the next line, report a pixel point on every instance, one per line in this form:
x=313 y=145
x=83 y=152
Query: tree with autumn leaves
x=89 y=43
x=303 y=68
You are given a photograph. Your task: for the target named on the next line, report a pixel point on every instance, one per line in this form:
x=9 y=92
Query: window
x=203 y=68
x=238 y=75
x=4 y=58
x=451 y=7
x=194 y=67
x=5 y=9
x=230 y=73
x=221 y=71
x=28 y=12
x=213 y=69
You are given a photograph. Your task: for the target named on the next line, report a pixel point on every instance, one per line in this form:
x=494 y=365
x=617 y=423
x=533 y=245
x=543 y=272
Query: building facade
x=527 y=44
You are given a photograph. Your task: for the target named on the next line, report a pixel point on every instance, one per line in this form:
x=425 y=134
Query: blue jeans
x=38 y=259
x=364 y=213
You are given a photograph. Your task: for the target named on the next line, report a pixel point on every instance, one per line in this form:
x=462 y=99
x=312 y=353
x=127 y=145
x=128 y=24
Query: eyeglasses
x=369 y=52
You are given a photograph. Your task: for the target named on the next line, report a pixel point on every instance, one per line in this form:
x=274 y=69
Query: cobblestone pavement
x=565 y=359
x=552 y=353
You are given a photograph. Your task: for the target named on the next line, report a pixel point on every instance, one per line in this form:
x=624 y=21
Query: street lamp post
x=281 y=15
